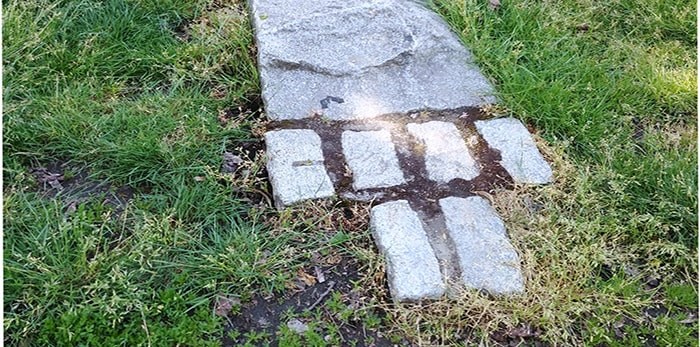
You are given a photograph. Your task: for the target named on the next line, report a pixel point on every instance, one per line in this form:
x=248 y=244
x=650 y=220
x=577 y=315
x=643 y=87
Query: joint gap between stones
x=491 y=173
x=333 y=158
x=456 y=115
x=443 y=247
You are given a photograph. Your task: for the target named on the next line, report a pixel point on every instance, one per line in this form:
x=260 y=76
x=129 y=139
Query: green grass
x=107 y=87
x=588 y=92
x=129 y=91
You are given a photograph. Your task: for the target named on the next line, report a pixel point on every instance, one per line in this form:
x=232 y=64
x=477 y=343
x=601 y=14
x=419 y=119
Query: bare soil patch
x=269 y=314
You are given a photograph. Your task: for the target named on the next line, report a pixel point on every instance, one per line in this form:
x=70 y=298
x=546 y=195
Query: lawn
x=123 y=224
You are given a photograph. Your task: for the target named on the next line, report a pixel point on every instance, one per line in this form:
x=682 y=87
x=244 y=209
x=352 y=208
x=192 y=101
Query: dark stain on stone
x=443 y=246
x=307 y=162
x=325 y=102
x=421 y=192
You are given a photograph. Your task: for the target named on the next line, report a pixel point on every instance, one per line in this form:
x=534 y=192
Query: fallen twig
x=323 y=295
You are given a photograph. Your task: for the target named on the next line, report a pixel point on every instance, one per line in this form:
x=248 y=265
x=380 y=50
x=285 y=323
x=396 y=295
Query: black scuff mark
x=326 y=102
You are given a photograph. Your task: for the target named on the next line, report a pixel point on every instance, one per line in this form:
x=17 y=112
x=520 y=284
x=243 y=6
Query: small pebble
x=297 y=326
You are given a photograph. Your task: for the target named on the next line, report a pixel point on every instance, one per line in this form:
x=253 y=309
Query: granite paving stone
x=411 y=265
x=487 y=259
x=446 y=154
x=365 y=98
x=295 y=166
x=367 y=57
x=519 y=154
x=372 y=158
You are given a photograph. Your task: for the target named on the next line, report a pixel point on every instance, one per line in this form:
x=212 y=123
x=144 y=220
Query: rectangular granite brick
x=487 y=259
x=295 y=166
x=372 y=158
x=446 y=154
x=519 y=154
x=411 y=265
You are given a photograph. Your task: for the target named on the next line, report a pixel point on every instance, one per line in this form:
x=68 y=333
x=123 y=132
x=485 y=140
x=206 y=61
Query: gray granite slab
x=446 y=154
x=358 y=59
x=295 y=166
x=487 y=259
x=372 y=158
x=411 y=265
x=519 y=153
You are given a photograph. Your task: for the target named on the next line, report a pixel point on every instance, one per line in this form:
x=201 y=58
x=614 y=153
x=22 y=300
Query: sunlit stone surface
x=372 y=159
x=446 y=154
x=519 y=154
x=360 y=58
x=486 y=257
